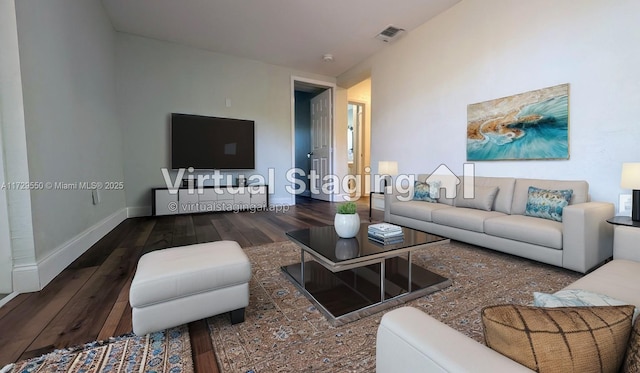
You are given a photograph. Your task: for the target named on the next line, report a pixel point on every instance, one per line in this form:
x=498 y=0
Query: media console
x=209 y=199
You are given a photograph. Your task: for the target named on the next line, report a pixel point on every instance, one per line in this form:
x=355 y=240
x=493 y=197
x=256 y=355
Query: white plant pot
x=347 y=225
x=347 y=248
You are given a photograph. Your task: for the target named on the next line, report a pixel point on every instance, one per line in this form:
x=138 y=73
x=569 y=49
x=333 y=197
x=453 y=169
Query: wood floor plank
x=99 y=252
x=205 y=231
x=284 y=223
x=204 y=358
x=297 y=222
x=85 y=313
x=245 y=227
x=269 y=229
x=227 y=232
x=117 y=312
x=139 y=235
x=125 y=326
x=161 y=235
x=15 y=302
x=26 y=321
x=184 y=232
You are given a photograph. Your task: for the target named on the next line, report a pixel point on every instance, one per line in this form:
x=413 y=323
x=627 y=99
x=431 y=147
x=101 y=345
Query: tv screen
x=211 y=143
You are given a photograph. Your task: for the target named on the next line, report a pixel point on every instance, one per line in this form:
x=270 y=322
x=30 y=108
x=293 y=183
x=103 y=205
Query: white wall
x=157 y=78
x=67 y=56
x=485 y=49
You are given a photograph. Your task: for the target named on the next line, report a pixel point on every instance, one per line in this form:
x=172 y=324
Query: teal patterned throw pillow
x=547 y=204
x=421 y=192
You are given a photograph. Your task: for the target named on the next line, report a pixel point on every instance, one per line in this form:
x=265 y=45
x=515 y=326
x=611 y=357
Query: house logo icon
x=443 y=177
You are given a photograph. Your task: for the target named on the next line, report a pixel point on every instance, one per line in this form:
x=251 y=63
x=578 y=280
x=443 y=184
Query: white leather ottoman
x=178 y=285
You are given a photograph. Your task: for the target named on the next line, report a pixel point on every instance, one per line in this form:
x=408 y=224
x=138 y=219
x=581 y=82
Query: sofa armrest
x=587 y=238
x=392 y=195
x=409 y=340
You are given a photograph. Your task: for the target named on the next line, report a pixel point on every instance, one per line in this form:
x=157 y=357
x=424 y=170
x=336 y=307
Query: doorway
x=359 y=108
x=312 y=137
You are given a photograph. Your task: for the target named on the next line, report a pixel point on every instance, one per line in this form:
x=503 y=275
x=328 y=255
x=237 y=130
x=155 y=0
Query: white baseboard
x=34 y=277
x=26 y=278
x=282 y=201
x=138 y=211
x=6 y=299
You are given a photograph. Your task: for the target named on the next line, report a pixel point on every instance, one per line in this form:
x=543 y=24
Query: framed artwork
x=531 y=125
x=625 y=202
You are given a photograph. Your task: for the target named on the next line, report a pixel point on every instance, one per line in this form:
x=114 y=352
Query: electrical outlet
x=95 y=196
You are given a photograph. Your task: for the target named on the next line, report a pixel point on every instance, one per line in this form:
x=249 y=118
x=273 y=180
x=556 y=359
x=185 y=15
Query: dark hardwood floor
x=89 y=300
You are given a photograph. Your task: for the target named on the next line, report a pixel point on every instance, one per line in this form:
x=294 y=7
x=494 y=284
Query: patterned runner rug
x=283 y=332
x=165 y=351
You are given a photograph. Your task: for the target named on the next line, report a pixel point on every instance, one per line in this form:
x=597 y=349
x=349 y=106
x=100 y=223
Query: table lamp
x=387 y=168
x=631 y=180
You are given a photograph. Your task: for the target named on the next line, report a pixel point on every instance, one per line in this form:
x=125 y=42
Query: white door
x=321 y=123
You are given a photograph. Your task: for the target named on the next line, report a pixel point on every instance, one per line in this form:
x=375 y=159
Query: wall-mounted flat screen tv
x=212 y=143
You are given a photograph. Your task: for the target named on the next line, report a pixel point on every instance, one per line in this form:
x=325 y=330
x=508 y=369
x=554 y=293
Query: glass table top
x=325 y=242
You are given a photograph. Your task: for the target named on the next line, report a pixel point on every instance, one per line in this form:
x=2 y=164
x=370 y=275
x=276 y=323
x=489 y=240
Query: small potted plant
x=347 y=221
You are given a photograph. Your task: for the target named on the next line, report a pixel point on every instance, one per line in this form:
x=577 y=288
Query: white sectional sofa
x=409 y=340
x=580 y=242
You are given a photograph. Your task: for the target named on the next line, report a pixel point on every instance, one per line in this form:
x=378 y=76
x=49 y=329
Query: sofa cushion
x=632 y=357
x=422 y=192
x=521 y=191
x=546 y=203
x=463 y=218
x=617 y=279
x=419 y=210
x=535 y=231
x=567 y=339
x=483 y=198
x=504 y=196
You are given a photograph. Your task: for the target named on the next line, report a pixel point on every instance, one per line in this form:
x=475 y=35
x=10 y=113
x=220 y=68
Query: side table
x=625 y=237
x=624 y=220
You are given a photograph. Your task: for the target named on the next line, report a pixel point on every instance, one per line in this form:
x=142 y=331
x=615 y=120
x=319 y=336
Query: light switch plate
x=95 y=196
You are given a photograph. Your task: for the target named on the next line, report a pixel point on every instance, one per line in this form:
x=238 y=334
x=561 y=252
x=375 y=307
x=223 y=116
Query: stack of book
x=385 y=233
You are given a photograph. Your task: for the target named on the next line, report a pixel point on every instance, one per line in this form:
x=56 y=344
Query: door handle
x=309 y=154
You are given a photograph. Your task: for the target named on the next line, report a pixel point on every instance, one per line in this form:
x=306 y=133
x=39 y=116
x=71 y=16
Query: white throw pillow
x=576 y=298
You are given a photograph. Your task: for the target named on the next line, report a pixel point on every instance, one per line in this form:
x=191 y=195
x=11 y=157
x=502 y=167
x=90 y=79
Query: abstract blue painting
x=531 y=125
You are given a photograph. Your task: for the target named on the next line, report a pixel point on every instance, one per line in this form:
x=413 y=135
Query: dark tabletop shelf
x=624 y=220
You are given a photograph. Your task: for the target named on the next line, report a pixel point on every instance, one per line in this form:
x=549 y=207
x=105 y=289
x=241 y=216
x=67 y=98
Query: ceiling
x=291 y=33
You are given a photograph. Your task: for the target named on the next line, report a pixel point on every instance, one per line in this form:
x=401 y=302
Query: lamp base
x=635 y=205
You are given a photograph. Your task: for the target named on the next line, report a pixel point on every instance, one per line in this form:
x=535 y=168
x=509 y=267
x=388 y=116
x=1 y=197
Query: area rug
x=165 y=351
x=284 y=332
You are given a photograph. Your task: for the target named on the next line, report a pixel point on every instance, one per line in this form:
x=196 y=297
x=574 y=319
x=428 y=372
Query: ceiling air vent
x=390 y=34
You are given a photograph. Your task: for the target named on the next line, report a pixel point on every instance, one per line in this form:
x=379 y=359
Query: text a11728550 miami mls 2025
x=62 y=185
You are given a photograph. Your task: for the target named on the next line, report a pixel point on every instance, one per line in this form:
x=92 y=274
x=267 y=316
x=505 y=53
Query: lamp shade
x=630 y=176
x=388 y=168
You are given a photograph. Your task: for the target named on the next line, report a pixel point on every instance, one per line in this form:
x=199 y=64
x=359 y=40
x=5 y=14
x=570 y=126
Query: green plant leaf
x=347 y=208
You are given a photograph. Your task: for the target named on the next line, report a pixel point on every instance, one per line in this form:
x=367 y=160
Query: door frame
x=359 y=158
x=6 y=257
x=323 y=84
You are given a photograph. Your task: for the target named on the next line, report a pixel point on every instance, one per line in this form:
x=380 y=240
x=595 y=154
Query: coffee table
x=351 y=278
